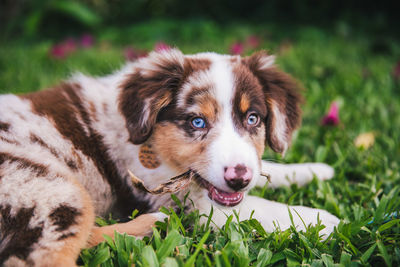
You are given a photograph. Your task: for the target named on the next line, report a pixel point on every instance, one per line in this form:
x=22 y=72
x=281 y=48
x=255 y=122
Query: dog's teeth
x=226 y=198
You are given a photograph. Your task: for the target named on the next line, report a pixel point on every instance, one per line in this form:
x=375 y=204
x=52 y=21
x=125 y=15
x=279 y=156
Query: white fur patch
x=229 y=148
x=150 y=64
x=279 y=126
x=300 y=174
x=266 y=62
x=199 y=79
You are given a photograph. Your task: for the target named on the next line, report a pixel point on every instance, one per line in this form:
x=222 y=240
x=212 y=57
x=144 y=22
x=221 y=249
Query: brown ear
x=150 y=87
x=282 y=95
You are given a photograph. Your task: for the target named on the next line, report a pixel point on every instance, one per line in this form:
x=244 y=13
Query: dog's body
x=65 y=153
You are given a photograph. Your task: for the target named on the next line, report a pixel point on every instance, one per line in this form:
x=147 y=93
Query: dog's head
x=211 y=114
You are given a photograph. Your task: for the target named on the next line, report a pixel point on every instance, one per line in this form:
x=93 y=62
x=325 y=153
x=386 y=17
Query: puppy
x=65 y=152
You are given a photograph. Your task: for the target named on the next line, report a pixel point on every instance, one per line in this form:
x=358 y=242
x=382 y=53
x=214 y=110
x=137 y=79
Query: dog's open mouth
x=228 y=199
x=181 y=181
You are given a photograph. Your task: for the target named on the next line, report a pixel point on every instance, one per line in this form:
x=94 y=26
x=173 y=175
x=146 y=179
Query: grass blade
x=101 y=256
x=168 y=245
x=365 y=256
x=384 y=253
x=149 y=257
x=192 y=258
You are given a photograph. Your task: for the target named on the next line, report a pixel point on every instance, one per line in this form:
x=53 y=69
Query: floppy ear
x=150 y=87
x=282 y=95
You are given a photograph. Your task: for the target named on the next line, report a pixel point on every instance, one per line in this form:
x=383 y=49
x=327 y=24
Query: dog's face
x=211 y=114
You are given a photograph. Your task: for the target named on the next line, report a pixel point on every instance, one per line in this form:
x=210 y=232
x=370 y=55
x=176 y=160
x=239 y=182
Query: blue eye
x=252 y=119
x=198 y=123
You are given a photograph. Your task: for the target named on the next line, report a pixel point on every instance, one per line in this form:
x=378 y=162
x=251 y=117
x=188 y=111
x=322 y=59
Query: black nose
x=237 y=184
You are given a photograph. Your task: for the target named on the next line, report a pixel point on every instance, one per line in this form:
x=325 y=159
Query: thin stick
x=174 y=184
x=266 y=175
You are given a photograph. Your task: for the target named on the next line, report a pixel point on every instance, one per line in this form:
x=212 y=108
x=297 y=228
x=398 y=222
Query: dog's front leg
x=267 y=212
x=139 y=227
x=300 y=174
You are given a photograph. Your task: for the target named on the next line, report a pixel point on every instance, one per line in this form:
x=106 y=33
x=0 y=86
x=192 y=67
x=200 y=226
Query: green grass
x=332 y=65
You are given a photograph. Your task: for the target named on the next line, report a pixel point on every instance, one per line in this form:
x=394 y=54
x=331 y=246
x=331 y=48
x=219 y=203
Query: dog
x=65 y=152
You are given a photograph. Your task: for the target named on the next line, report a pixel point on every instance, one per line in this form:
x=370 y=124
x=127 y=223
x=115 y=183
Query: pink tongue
x=225 y=198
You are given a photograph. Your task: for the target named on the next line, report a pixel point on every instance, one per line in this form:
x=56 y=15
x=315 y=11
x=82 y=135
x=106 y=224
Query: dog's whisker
x=274 y=160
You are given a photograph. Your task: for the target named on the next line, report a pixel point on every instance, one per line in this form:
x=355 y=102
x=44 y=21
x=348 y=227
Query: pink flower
x=87 y=40
x=131 y=54
x=63 y=49
x=396 y=71
x=69 y=45
x=236 y=48
x=161 y=46
x=57 y=51
x=253 y=41
x=332 y=118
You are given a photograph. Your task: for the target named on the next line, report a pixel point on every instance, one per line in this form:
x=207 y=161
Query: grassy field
x=354 y=69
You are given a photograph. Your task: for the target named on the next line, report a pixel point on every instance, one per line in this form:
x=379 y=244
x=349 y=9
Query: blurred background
x=345 y=53
x=55 y=19
x=113 y=31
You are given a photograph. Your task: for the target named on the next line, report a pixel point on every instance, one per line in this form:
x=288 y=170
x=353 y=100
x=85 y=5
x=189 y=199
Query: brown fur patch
x=249 y=97
x=194 y=93
x=78 y=159
x=148 y=95
x=17 y=238
x=23 y=163
x=154 y=91
x=196 y=64
x=36 y=139
x=6 y=140
x=281 y=89
x=63 y=105
x=105 y=108
x=259 y=141
x=65 y=236
x=234 y=59
x=4 y=126
x=93 y=111
x=70 y=242
x=178 y=150
x=244 y=103
x=64 y=216
x=69 y=162
x=208 y=107
x=148 y=157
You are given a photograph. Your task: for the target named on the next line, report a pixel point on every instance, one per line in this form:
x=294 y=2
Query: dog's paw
x=159 y=216
x=322 y=171
x=329 y=221
x=305 y=216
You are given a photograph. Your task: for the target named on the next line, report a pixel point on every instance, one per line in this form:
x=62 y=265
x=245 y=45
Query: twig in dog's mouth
x=174 y=184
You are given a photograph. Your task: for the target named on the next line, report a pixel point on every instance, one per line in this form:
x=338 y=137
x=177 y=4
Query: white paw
x=330 y=221
x=159 y=216
x=310 y=216
x=322 y=171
